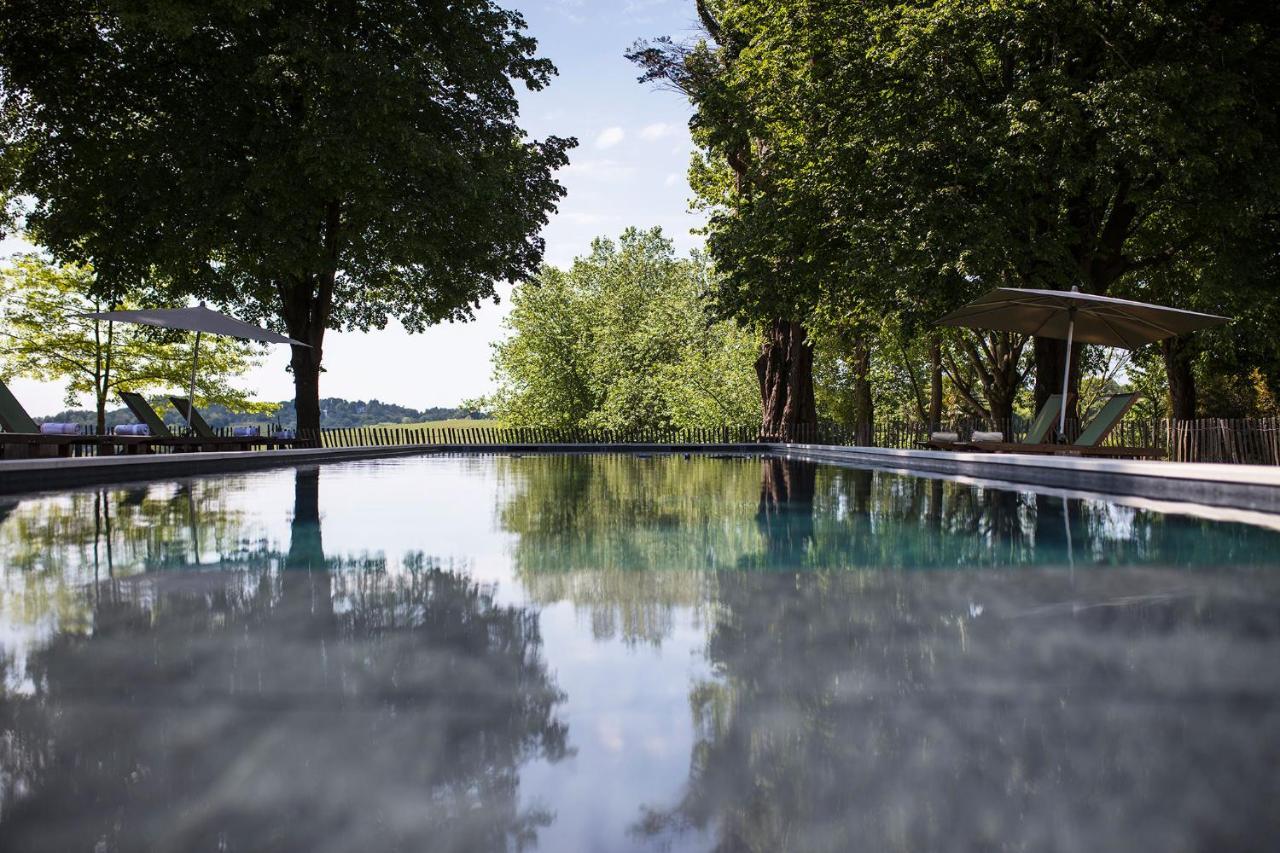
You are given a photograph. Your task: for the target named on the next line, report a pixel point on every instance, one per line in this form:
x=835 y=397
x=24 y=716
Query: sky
x=629 y=169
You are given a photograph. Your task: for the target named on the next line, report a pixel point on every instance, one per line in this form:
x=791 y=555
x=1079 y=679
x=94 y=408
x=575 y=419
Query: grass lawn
x=457 y=423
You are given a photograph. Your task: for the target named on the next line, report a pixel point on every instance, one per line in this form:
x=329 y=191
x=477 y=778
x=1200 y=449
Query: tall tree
x=770 y=284
x=623 y=340
x=903 y=157
x=313 y=165
x=43 y=335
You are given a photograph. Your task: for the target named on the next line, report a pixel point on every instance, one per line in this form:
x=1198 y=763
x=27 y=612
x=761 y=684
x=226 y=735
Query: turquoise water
x=621 y=653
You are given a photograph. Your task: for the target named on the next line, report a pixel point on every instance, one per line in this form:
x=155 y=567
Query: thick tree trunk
x=305 y=365
x=1178 y=357
x=785 y=514
x=307 y=302
x=935 y=382
x=1049 y=353
x=306 y=546
x=864 y=414
x=785 y=372
x=1000 y=400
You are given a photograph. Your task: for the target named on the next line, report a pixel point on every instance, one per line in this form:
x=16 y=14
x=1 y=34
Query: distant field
x=457 y=423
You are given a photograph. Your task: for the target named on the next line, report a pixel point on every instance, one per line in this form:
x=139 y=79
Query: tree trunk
x=785 y=372
x=935 y=382
x=1178 y=357
x=785 y=514
x=307 y=301
x=1049 y=353
x=102 y=414
x=864 y=415
x=306 y=546
x=305 y=365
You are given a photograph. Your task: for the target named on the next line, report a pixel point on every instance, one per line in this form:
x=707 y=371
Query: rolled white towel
x=987 y=436
x=59 y=429
x=132 y=429
x=944 y=436
x=244 y=432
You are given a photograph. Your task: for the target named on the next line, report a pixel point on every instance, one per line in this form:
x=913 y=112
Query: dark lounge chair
x=146 y=415
x=198 y=424
x=22 y=436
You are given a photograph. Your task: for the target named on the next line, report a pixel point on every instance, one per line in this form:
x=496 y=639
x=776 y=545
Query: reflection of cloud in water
x=378 y=655
x=875 y=711
x=300 y=709
x=345 y=711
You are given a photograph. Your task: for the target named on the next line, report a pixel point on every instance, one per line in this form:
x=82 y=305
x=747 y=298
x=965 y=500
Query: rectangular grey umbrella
x=199 y=320
x=1076 y=316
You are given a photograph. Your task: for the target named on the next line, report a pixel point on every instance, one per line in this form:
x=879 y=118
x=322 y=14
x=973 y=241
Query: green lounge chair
x=145 y=414
x=1090 y=441
x=1049 y=412
x=1107 y=419
x=1036 y=433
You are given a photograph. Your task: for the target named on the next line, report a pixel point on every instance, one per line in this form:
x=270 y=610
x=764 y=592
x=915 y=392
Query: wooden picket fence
x=514 y=436
x=1253 y=441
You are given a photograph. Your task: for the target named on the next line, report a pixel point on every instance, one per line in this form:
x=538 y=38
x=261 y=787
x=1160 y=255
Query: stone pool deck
x=1248 y=487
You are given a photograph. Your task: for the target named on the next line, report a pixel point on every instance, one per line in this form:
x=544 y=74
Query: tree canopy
x=621 y=340
x=43 y=336
x=312 y=166
x=872 y=159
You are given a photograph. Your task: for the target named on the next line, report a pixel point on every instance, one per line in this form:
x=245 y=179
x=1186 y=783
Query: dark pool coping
x=1248 y=487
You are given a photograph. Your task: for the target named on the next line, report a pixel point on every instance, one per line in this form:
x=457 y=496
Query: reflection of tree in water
x=626 y=538
x=124 y=530
x=301 y=709
x=629 y=540
x=785 y=515
x=881 y=711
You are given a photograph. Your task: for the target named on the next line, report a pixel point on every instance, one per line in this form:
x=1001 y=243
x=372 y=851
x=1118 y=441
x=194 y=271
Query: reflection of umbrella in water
x=200 y=320
x=1076 y=316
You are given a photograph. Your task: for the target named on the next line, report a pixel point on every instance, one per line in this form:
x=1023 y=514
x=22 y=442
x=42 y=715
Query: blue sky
x=629 y=169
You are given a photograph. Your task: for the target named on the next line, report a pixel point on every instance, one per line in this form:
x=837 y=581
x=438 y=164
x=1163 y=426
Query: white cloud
x=673 y=179
x=610 y=137
x=599 y=170
x=657 y=130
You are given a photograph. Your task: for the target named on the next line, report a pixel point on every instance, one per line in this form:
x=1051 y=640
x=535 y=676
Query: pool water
x=629 y=653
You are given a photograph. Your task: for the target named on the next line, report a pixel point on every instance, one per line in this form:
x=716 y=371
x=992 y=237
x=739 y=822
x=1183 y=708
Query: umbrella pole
x=1066 y=376
x=191 y=396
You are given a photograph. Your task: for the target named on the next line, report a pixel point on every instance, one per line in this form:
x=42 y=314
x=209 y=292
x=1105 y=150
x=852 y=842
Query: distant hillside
x=334 y=412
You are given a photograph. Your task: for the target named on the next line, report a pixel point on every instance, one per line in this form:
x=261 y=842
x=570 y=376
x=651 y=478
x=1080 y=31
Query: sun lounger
x=245 y=438
x=1090 y=441
x=146 y=415
x=13 y=417
x=1036 y=433
x=23 y=437
x=198 y=424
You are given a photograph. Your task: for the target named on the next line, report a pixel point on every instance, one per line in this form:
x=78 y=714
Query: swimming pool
x=632 y=653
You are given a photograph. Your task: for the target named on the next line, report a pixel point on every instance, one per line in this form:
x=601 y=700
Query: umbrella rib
x=1120 y=315
x=1119 y=335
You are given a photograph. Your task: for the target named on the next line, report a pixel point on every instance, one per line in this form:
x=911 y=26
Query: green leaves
x=43 y=336
x=623 y=340
x=307 y=165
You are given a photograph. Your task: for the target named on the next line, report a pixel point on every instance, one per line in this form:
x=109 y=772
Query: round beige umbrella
x=200 y=320
x=1076 y=316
